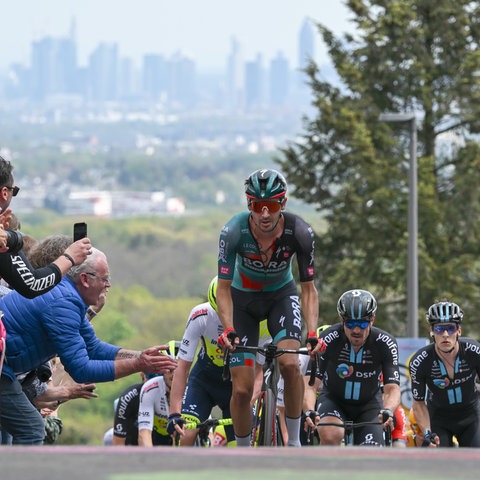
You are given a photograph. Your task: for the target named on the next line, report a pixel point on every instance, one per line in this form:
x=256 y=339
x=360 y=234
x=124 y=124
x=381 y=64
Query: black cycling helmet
x=444 y=311
x=357 y=305
x=265 y=184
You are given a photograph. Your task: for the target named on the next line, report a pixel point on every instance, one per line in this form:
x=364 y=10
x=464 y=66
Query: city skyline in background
x=200 y=30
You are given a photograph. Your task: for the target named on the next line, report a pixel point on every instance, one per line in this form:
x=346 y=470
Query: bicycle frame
x=266 y=429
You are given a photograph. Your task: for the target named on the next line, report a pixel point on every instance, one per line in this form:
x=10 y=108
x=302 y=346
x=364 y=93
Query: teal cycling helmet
x=265 y=184
x=444 y=311
x=357 y=305
x=212 y=293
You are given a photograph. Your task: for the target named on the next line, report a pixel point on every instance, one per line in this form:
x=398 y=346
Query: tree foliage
x=417 y=56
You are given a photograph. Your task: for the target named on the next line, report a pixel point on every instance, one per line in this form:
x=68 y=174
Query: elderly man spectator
x=55 y=324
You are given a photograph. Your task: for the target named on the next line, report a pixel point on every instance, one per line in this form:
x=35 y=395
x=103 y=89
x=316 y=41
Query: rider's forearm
x=145 y=438
x=391 y=396
x=310 y=394
x=422 y=417
x=225 y=303
x=309 y=302
x=179 y=384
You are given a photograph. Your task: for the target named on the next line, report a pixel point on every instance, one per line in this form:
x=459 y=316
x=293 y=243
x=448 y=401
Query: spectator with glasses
x=255 y=282
x=443 y=373
x=358 y=354
x=56 y=324
x=15 y=268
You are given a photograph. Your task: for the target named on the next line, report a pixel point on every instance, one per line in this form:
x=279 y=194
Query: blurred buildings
x=174 y=82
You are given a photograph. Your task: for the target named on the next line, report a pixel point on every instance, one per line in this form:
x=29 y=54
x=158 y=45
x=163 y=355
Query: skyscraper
x=279 y=80
x=306 y=44
x=154 y=77
x=103 y=73
x=235 y=77
x=255 y=83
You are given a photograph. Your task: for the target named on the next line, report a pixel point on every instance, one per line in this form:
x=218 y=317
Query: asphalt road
x=133 y=463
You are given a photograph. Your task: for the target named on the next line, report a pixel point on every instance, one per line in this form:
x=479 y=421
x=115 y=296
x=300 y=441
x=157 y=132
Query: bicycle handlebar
x=207 y=424
x=349 y=426
x=270 y=352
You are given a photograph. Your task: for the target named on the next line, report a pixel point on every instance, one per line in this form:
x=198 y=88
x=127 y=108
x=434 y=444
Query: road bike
x=266 y=429
x=205 y=428
x=350 y=426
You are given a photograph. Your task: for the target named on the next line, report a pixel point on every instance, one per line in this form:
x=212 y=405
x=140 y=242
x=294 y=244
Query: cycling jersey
x=203 y=325
x=240 y=258
x=153 y=410
x=126 y=415
x=452 y=402
x=354 y=378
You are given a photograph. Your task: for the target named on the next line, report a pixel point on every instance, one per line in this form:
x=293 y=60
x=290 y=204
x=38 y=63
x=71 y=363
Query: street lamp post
x=412 y=277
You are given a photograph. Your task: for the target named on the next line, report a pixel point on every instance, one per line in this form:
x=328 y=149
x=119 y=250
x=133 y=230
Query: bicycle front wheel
x=269 y=432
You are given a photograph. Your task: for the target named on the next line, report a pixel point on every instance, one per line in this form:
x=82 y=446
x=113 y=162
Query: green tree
x=405 y=56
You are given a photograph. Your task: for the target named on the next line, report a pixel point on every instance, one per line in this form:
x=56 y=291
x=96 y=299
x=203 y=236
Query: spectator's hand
x=5 y=218
x=3 y=240
x=154 y=360
x=228 y=339
x=79 y=250
x=97 y=307
x=82 y=390
x=175 y=424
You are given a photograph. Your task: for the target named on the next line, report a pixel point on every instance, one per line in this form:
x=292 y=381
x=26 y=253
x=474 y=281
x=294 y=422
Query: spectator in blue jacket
x=55 y=324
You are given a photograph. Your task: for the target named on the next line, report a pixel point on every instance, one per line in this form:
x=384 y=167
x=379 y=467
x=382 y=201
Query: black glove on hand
x=174 y=419
x=229 y=333
x=386 y=413
x=428 y=438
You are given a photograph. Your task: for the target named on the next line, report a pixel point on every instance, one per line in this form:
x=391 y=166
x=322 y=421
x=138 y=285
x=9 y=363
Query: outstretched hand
x=154 y=360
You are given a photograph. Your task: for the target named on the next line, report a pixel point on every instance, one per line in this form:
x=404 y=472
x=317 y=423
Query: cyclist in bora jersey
x=255 y=282
x=351 y=367
x=447 y=368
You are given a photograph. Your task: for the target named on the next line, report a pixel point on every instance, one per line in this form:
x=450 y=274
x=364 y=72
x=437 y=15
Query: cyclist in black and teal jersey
x=255 y=281
x=358 y=354
x=445 y=397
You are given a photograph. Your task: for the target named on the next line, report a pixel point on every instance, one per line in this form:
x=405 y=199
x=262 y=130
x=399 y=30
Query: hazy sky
x=202 y=28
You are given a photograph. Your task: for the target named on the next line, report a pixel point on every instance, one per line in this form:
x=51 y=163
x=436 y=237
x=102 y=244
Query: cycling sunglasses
x=351 y=324
x=450 y=328
x=273 y=206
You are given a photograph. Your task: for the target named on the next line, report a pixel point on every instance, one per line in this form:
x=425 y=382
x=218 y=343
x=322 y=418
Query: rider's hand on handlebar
x=315 y=344
x=175 y=424
x=430 y=439
x=228 y=338
x=311 y=417
x=387 y=417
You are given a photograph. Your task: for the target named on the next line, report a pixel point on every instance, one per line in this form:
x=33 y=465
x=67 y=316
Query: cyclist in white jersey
x=153 y=409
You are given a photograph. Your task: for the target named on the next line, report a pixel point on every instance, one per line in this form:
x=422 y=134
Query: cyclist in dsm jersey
x=255 y=281
x=351 y=367
x=445 y=398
